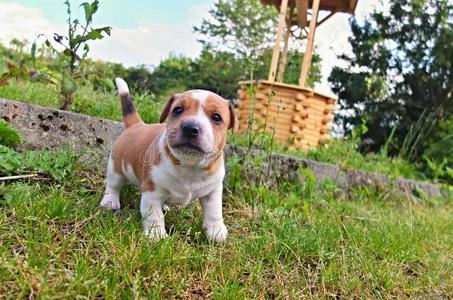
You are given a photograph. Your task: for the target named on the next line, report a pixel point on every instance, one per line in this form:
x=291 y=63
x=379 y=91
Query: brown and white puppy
x=173 y=163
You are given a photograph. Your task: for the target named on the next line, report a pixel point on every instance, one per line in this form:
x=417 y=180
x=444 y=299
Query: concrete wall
x=53 y=129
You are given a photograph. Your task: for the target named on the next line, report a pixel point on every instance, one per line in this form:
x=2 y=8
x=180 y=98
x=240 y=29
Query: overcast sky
x=146 y=31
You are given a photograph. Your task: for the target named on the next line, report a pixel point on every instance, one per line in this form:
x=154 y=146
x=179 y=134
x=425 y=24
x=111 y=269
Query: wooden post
x=278 y=37
x=282 y=66
x=309 y=49
x=302 y=9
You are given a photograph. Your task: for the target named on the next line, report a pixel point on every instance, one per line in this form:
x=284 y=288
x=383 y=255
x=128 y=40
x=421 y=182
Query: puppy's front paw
x=216 y=232
x=110 y=202
x=155 y=232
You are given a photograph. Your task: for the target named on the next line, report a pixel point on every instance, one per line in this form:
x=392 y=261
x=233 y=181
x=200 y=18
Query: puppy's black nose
x=190 y=130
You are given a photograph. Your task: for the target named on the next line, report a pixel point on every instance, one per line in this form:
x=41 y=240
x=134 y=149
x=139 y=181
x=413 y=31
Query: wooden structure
x=296 y=115
x=307 y=115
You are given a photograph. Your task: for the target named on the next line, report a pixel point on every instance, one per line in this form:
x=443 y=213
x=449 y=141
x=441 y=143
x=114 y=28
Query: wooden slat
x=278 y=36
x=310 y=41
x=282 y=66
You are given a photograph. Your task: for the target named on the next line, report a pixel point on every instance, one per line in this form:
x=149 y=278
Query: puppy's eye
x=216 y=118
x=177 y=111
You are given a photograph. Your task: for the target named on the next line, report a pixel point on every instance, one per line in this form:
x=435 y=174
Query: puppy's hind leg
x=114 y=183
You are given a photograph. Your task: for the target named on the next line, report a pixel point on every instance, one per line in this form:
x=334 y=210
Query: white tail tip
x=121 y=85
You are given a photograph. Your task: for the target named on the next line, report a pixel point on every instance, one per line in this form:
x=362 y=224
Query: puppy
x=173 y=163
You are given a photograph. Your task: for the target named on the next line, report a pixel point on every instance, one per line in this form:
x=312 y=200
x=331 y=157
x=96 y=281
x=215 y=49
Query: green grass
x=340 y=151
x=87 y=101
x=294 y=241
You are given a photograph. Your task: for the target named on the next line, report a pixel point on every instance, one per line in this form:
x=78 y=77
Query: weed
x=9 y=160
x=78 y=36
x=9 y=136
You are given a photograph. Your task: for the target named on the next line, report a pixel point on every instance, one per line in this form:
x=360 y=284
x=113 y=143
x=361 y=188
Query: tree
x=246 y=28
x=217 y=71
x=241 y=26
x=401 y=69
x=171 y=75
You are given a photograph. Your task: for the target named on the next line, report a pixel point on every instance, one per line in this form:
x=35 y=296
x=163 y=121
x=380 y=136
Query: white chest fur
x=179 y=185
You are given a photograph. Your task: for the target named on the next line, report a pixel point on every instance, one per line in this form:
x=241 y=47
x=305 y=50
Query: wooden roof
x=344 y=6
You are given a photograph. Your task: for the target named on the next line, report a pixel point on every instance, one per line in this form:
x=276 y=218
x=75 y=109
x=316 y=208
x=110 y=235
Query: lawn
x=287 y=241
x=294 y=241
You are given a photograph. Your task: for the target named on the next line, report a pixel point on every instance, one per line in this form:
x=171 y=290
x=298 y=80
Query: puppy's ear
x=234 y=121
x=166 y=110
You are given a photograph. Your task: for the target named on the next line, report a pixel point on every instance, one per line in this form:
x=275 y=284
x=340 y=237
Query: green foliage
x=9 y=161
x=9 y=136
x=439 y=152
x=171 y=75
x=77 y=38
x=87 y=101
x=217 y=71
x=234 y=177
x=400 y=69
x=61 y=165
x=243 y=26
x=309 y=182
x=339 y=151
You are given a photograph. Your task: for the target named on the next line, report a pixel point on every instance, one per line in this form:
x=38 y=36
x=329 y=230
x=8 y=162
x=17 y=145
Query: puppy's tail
x=130 y=116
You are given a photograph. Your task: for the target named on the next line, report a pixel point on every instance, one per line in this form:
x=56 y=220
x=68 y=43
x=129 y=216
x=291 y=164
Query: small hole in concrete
x=14 y=116
x=55 y=113
x=99 y=141
x=33 y=124
x=6 y=119
x=40 y=117
x=44 y=127
x=64 y=127
x=50 y=117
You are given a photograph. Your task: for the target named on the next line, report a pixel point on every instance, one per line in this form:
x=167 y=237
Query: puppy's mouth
x=188 y=147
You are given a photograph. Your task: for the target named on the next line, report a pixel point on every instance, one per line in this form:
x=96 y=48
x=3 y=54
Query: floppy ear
x=234 y=121
x=166 y=110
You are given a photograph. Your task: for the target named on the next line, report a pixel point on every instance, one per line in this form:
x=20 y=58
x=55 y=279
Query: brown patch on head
x=216 y=105
x=183 y=100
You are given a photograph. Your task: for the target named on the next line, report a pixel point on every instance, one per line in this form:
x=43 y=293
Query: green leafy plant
x=75 y=48
x=9 y=136
x=9 y=161
x=60 y=165
x=309 y=182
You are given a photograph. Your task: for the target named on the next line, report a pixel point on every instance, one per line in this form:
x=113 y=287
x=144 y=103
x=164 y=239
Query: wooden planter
x=298 y=117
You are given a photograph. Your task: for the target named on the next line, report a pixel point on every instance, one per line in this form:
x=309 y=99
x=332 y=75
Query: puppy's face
x=198 y=125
